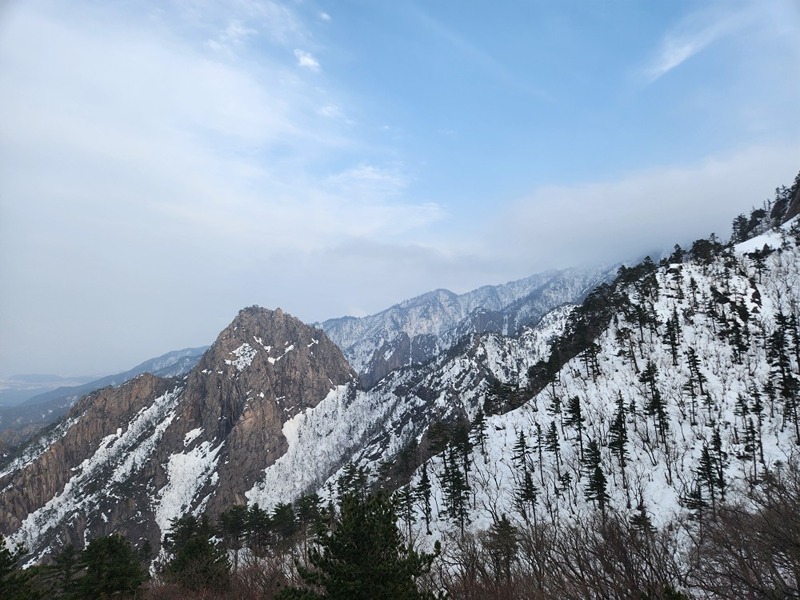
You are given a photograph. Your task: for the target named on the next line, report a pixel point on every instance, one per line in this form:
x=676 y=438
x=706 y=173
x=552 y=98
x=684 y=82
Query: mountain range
x=654 y=389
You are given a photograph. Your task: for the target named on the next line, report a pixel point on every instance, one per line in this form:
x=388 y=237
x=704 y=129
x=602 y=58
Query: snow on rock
x=122 y=452
x=244 y=356
x=191 y=436
x=187 y=474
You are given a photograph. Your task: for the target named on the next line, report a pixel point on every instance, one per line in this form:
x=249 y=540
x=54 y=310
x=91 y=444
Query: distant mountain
x=416 y=330
x=20 y=388
x=18 y=422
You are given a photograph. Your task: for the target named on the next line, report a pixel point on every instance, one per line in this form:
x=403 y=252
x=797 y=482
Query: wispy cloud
x=306 y=60
x=133 y=158
x=693 y=34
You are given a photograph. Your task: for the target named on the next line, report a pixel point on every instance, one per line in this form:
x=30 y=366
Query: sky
x=164 y=164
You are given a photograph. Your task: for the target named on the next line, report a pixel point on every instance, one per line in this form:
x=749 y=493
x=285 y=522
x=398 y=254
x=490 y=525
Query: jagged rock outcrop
x=132 y=458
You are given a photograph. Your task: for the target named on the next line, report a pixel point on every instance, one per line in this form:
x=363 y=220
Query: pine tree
x=618 y=440
x=526 y=497
x=707 y=472
x=424 y=496
x=455 y=489
x=502 y=542
x=258 y=525
x=673 y=331
x=552 y=445
x=463 y=444
x=479 y=431
x=362 y=556
x=233 y=523
x=197 y=563
x=520 y=452
x=15 y=584
x=597 y=485
x=404 y=505
x=539 y=447
x=113 y=569
x=575 y=418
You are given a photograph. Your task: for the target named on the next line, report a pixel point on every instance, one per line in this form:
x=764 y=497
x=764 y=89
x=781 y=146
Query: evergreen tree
x=362 y=556
x=455 y=490
x=696 y=377
x=197 y=562
x=526 y=496
x=552 y=445
x=258 y=529
x=656 y=406
x=113 y=569
x=597 y=485
x=672 y=337
x=520 y=452
x=479 y=431
x=462 y=443
x=61 y=576
x=502 y=542
x=539 y=447
x=15 y=584
x=618 y=439
x=707 y=472
x=404 y=505
x=424 y=496
x=575 y=418
x=233 y=523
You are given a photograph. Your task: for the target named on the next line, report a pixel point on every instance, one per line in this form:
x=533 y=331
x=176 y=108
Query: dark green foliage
x=526 y=496
x=551 y=444
x=234 y=527
x=197 y=562
x=15 y=584
x=576 y=419
x=423 y=493
x=113 y=569
x=362 y=556
x=479 y=431
x=597 y=485
x=404 y=506
x=501 y=542
x=618 y=437
x=455 y=490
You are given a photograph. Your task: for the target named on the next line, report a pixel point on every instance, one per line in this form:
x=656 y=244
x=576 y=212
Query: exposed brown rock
x=263 y=369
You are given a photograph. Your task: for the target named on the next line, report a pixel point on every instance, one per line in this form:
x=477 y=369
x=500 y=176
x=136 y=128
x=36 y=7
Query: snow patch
x=244 y=356
x=191 y=435
x=187 y=473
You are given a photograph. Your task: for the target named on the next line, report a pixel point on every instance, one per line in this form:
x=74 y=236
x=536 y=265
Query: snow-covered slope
x=418 y=329
x=727 y=383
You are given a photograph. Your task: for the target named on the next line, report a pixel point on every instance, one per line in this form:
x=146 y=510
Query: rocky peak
x=132 y=458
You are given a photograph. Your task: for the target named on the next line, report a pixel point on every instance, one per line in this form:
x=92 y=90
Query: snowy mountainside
x=694 y=382
x=420 y=328
x=368 y=427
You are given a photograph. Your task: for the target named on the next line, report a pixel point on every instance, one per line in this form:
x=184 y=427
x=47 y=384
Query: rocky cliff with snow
x=129 y=459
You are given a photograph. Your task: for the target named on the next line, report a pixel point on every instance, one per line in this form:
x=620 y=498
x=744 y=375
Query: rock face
x=131 y=458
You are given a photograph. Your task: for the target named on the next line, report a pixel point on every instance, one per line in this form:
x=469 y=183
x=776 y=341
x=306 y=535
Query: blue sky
x=163 y=164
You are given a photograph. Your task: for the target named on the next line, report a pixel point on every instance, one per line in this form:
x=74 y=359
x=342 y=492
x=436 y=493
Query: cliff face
x=129 y=459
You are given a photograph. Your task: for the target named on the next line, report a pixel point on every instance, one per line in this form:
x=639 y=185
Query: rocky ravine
x=131 y=458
